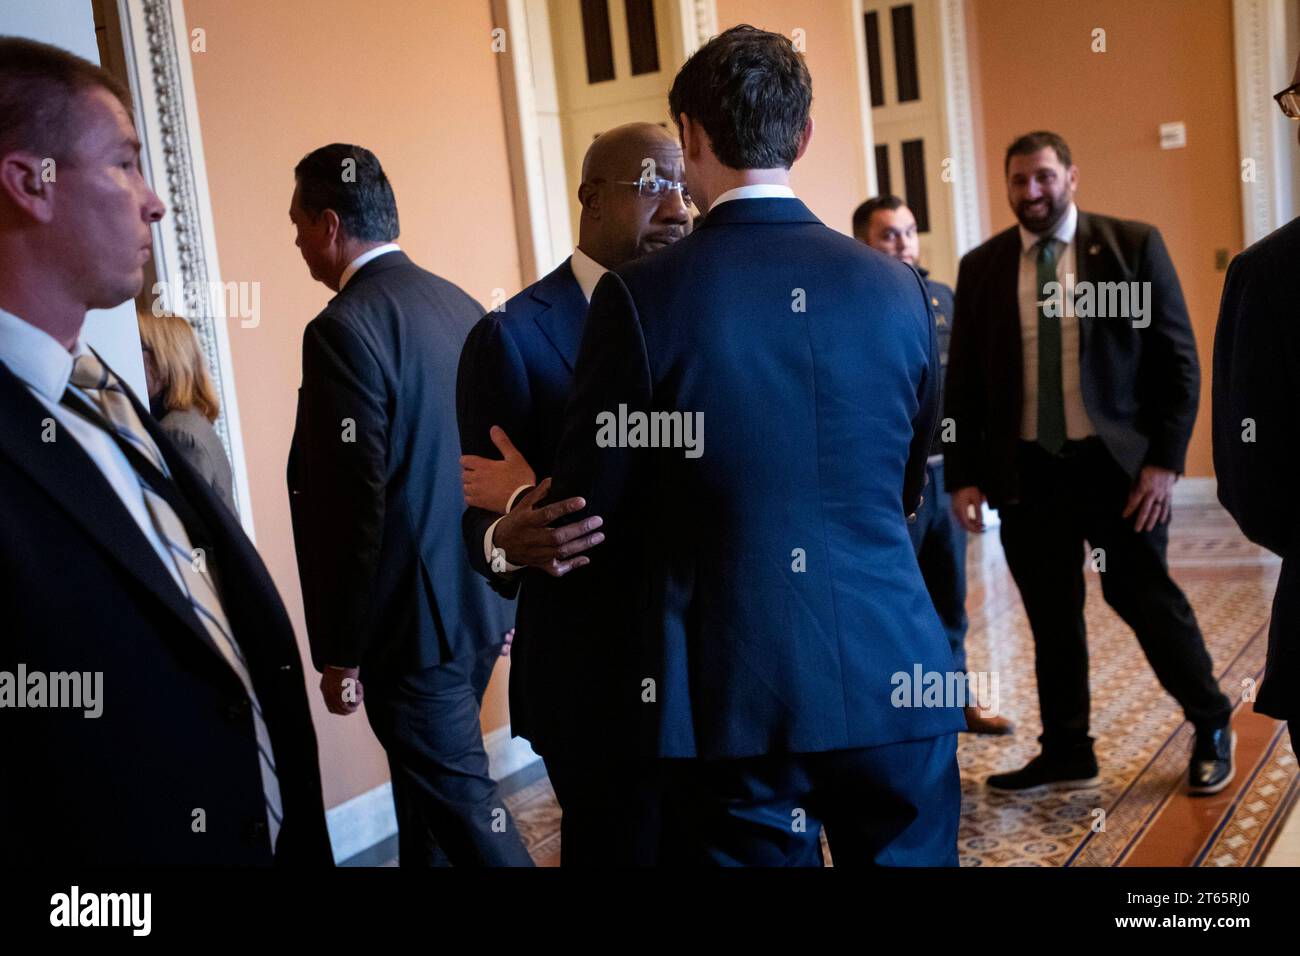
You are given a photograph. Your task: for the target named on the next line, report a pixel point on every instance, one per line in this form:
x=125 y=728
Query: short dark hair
x=1031 y=143
x=751 y=92
x=39 y=87
x=862 y=215
x=359 y=193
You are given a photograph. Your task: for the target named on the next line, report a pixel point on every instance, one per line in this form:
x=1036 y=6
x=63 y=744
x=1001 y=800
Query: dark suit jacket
x=196 y=439
x=515 y=372
x=1140 y=385
x=384 y=578
x=941 y=303
x=1257 y=378
x=82 y=590
x=767 y=589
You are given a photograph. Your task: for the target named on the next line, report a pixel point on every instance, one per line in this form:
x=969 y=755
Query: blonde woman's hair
x=176 y=355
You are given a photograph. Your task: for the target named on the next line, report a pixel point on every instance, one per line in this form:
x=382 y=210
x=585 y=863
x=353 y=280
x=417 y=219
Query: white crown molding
x=156 y=44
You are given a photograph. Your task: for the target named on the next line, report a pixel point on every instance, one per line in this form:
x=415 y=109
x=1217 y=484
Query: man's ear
x=589 y=199
x=691 y=139
x=22 y=184
x=332 y=225
x=804 y=139
x=1072 y=177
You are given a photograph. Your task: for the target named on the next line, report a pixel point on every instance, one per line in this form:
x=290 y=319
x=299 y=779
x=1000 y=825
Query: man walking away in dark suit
x=1256 y=441
x=756 y=605
x=1072 y=386
x=125 y=582
x=515 y=374
x=887 y=225
x=394 y=613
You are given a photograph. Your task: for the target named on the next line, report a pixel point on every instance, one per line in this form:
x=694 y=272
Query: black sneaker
x=1077 y=773
x=1212 y=767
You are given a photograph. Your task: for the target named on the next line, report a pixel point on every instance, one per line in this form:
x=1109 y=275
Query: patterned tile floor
x=1138 y=815
x=1142 y=742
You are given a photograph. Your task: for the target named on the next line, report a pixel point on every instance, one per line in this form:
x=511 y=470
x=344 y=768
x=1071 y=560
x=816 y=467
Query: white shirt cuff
x=514 y=496
x=488 y=547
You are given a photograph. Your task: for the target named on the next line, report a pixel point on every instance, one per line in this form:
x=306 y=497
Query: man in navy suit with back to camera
x=396 y=619
x=756 y=603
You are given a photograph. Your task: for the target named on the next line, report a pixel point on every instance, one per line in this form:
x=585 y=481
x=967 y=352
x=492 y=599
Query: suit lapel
x=1088 y=267
x=1006 y=304
x=67 y=474
x=564 y=312
x=242 y=579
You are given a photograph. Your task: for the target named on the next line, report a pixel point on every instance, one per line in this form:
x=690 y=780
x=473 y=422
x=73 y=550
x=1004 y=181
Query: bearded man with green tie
x=1072 y=387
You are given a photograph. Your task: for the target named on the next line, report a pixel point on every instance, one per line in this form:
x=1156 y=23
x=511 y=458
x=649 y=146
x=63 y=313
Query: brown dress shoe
x=996 y=726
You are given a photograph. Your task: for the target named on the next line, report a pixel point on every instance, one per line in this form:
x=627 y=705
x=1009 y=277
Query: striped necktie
x=1051 y=400
x=100 y=385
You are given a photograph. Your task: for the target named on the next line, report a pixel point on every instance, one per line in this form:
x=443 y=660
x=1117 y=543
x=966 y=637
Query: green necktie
x=1051 y=403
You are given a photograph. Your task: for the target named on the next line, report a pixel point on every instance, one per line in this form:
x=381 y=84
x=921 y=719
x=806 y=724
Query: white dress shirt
x=755 y=191
x=45 y=367
x=362 y=259
x=1077 y=423
x=588 y=272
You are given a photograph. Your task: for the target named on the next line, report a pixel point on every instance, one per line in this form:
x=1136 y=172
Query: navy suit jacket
x=1256 y=372
x=384 y=580
x=515 y=372
x=760 y=598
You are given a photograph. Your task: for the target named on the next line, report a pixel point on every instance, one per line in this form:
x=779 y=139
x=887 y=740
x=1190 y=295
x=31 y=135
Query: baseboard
x=507 y=755
x=367 y=819
x=1196 y=491
x=356 y=825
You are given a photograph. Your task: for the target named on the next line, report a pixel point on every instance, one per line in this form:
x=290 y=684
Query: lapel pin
x=1094 y=249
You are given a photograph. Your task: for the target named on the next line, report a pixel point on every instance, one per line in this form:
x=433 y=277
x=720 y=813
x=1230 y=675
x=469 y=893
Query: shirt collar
x=36 y=357
x=755 y=191
x=587 y=271
x=355 y=265
x=1064 y=230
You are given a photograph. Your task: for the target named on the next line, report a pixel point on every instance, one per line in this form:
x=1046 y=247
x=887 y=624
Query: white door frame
x=1261 y=29
x=958 y=122
x=867 y=142
x=156 y=44
x=968 y=226
x=533 y=135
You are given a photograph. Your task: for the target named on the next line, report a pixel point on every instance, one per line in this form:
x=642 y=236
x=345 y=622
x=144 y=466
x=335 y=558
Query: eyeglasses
x=658 y=187
x=1289 y=100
